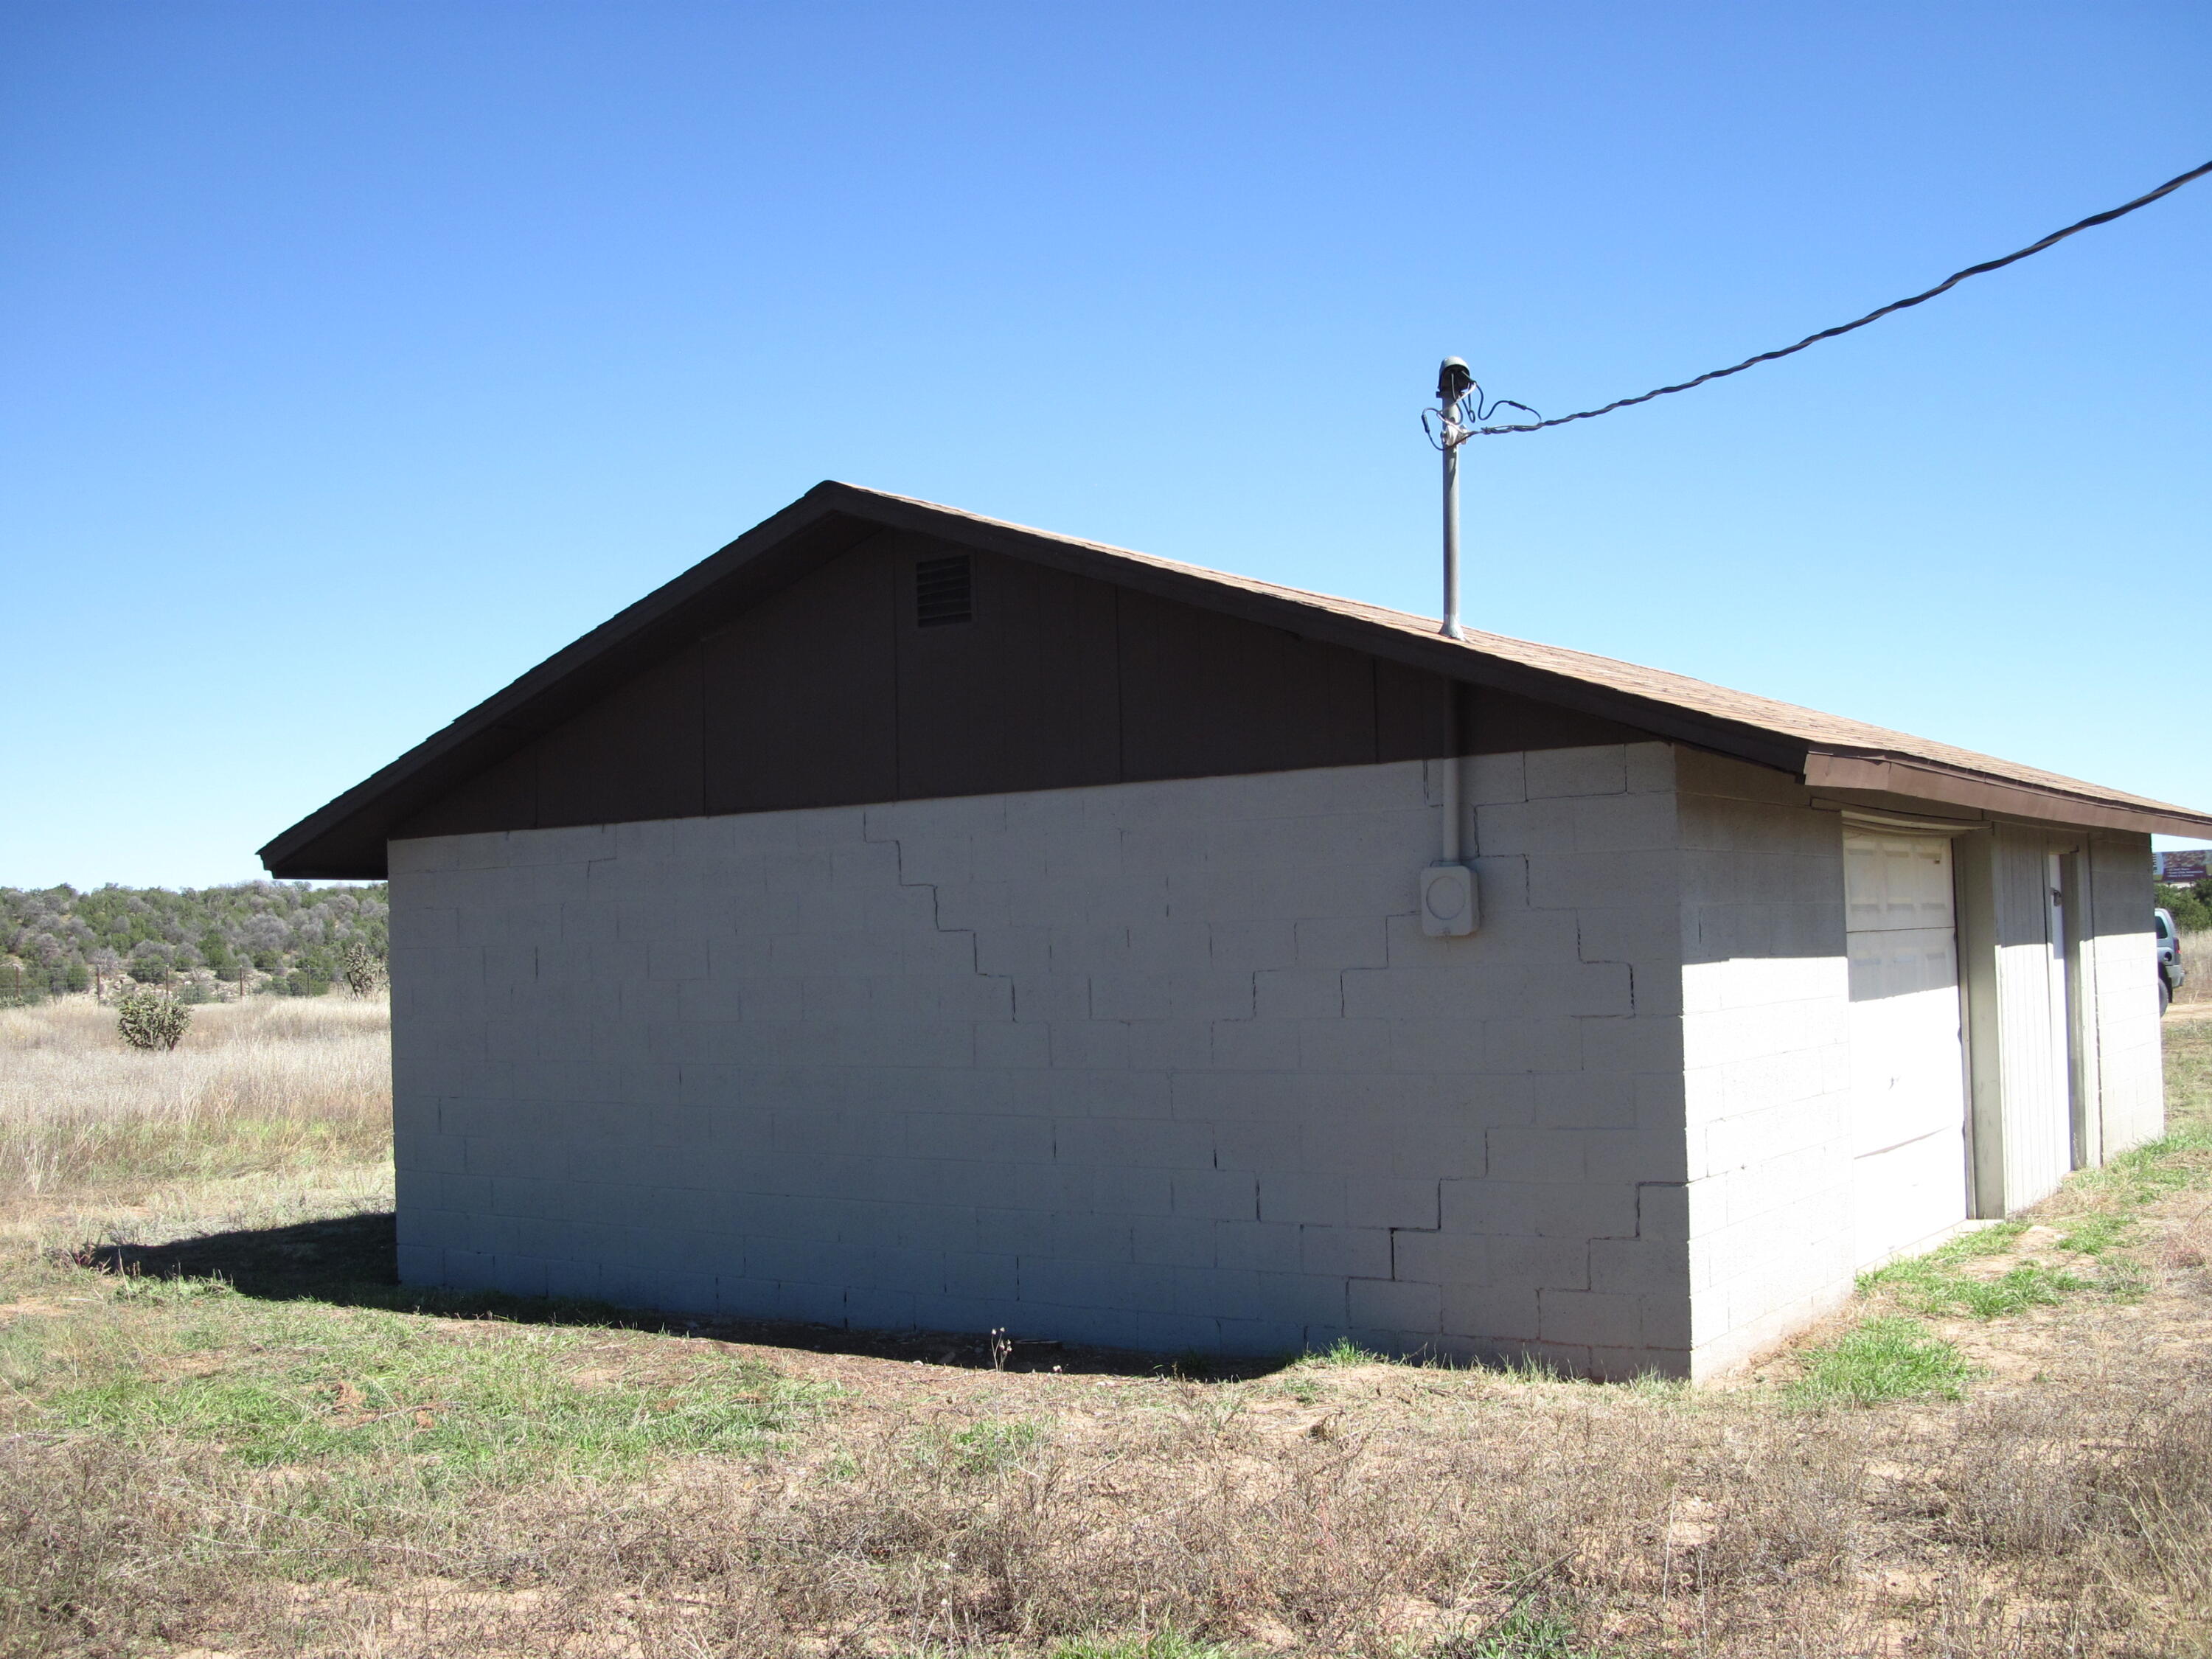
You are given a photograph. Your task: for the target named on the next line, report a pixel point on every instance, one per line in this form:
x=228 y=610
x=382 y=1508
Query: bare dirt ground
x=225 y=1431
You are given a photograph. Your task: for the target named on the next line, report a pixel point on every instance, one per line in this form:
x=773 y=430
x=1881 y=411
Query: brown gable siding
x=504 y=797
x=1036 y=705
x=1030 y=689
x=637 y=749
x=828 y=693
x=1201 y=699
x=800 y=691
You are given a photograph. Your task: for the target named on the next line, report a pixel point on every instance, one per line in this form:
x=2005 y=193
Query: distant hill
x=284 y=938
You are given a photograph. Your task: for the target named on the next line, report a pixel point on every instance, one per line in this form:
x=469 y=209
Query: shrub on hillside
x=361 y=969
x=161 y=933
x=213 y=950
x=147 y=1019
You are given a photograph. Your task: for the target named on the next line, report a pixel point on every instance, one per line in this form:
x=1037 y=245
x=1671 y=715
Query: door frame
x=2084 y=1118
x=1971 y=843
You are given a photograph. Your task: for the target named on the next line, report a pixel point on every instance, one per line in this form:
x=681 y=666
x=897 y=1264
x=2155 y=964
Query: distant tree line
x=2190 y=906
x=255 y=938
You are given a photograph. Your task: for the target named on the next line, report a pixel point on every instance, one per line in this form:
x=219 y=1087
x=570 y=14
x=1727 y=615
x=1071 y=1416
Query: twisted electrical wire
x=1944 y=287
x=1449 y=429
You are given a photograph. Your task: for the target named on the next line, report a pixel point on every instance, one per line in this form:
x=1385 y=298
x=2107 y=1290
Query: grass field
x=2197 y=958
x=224 y=1429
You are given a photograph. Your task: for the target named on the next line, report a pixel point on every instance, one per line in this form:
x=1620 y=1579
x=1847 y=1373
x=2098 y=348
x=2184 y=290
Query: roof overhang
x=1921 y=779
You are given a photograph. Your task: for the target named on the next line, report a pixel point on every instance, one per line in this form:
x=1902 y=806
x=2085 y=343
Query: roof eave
x=1923 y=780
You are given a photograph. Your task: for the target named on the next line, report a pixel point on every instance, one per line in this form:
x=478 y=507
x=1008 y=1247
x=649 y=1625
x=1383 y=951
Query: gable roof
x=346 y=837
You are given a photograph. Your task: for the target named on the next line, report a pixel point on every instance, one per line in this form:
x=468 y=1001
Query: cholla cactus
x=147 y=1019
x=362 y=968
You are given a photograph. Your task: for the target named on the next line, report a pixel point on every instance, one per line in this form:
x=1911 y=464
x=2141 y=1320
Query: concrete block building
x=905 y=919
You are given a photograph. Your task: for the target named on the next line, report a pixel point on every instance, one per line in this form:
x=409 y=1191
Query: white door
x=1908 y=1067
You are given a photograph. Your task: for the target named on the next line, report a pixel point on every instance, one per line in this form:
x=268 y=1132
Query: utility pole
x=1448 y=902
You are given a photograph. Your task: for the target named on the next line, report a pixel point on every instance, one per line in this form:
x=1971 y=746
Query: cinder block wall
x=1167 y=1066
x=1766 y=1074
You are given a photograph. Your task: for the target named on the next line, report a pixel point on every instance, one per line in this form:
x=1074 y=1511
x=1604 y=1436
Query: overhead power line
x=1944 y=287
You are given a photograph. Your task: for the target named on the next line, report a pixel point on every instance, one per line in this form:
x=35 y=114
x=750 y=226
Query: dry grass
x=269 y=1083
x=1428 y=1515
x=308 y=1461
x=2197 y=959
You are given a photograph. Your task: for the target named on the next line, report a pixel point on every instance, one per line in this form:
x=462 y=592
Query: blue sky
x=359 y=355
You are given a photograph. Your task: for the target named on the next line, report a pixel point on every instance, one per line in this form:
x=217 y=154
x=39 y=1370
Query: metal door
x=1908 y=1063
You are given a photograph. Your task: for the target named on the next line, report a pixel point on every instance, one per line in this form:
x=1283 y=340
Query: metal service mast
x=1448 y=905
x=1453 y=382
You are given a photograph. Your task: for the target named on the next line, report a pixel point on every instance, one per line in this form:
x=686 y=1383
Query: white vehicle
x=2171 y=974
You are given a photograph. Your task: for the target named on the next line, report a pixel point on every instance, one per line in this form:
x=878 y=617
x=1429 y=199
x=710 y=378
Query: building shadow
x=350 y=1261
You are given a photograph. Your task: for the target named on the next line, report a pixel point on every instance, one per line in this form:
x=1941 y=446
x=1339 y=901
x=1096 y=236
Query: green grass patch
x=2094 y=1234
x=2176 y=1161
x=989 y=1448
x=1527 y=1367
x=1345 y=1351
x=1933 y=1287
x=1886 y=1358
x=2122 y=1279
x=1936 y=1285
x=1158 y=1644
x=307 y=1384
x=1523 y=1632
x=1993 y=1240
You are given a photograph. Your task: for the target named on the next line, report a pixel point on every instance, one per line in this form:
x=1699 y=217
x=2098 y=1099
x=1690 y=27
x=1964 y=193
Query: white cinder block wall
x=1766 y=1072
x=1167 y=1066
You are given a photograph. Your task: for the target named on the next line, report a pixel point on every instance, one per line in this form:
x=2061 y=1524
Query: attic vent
x=943 y=592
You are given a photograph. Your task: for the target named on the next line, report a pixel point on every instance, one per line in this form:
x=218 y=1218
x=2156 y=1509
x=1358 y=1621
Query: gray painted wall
x=1766 y=1075
x=1161 y=1065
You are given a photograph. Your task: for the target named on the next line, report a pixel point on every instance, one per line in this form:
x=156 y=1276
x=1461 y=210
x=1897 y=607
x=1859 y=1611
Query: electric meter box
x=1448 y=901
